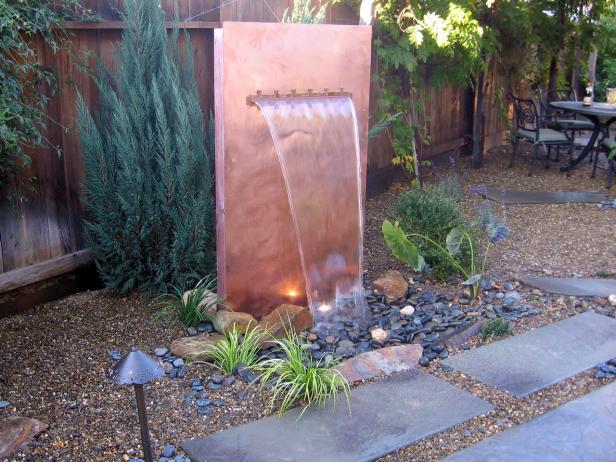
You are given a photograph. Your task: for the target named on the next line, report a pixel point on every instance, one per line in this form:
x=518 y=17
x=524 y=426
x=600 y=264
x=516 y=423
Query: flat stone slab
x=580 y=431
x=385 y=361
x=385 y=416
x=528 y=362
x=542 y=197
x=580 y=287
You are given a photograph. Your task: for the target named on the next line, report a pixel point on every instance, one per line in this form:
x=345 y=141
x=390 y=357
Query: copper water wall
x=259 y=265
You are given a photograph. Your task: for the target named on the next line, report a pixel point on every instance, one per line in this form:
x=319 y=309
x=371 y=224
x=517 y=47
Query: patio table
x=601 y=114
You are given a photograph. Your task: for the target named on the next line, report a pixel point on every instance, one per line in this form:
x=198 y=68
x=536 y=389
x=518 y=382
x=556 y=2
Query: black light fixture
x=137 y=368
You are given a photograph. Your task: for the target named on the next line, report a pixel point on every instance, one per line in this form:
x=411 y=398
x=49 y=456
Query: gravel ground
x=55 y=368
x=55 y=359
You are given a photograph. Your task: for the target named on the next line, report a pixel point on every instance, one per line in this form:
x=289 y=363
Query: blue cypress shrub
x=148 y=162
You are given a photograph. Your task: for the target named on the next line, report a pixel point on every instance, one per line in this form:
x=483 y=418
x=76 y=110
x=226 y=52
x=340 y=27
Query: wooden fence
x=46 y=228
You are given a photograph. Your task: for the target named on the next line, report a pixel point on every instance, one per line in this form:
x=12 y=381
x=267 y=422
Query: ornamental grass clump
x=236 y=350
x=192 y=308
x=495 y=328
x=299 y=378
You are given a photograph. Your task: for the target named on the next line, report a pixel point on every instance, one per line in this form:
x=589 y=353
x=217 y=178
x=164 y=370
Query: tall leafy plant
x=306 y=12
x=25 y=85
x=148 y=188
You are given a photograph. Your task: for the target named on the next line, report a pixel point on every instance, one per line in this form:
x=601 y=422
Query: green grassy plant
x=299 y=378
x=495 y=328
x=236 y=349
x=190 y=310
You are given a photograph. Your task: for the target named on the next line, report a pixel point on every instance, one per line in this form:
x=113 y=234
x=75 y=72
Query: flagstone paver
x=580 y=287
x=580 y=431
x=385 y=416
x=536 y=359
x=542 y=197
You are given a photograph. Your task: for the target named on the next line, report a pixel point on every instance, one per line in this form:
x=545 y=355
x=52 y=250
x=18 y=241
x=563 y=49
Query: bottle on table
x=587 y=101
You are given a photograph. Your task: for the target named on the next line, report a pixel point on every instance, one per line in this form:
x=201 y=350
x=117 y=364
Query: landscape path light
x=136 y=369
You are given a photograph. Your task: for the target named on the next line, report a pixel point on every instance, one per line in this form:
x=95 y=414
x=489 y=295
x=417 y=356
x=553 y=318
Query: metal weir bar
x=252 y=99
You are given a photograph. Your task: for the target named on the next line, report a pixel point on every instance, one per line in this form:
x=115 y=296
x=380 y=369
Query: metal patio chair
x=558 y=119
x=528 y=127
x=606 y=147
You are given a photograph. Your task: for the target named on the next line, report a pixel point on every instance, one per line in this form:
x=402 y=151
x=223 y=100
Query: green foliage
x=193 y=308
x=495 y=328
x=148 y=188
x=459 y=247
x=432 y=211
x=299 y=378
x=305 y=12
x=401 y=247
x=606 y=55
x=442 y=38
x=236 y=350
x=25 y=85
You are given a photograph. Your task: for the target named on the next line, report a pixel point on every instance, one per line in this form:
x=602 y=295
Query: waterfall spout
x=317 y=143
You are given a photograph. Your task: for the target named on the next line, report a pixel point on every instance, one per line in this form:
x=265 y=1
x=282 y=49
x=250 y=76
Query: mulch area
x=55 y=362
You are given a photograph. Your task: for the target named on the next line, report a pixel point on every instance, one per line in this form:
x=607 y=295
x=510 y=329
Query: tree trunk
x=553 y=75
x=478 y=119
x=592 y=65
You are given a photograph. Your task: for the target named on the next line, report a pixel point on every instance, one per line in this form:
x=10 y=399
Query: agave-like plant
x=191 y=309
x=299 y=378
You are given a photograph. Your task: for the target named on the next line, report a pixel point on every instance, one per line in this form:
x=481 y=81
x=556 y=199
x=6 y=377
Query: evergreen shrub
x=433 y=211
x=148 y=174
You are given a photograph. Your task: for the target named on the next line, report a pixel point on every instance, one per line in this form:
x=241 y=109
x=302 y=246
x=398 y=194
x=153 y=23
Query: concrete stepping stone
x=580 y=431
x=580 y=287
x=528 y=362
x=542 y=197
x=385 y=416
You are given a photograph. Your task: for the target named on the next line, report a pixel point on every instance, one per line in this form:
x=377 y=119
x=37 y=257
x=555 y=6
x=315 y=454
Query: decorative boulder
x=285 y=318
x=393 y=285
x=224 y=321
x=209 y=302
x=389 y=360
x=17 y=432
x=194 y=347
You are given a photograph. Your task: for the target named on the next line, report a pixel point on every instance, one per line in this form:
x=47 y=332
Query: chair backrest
x=525 y=111
x=546 y=97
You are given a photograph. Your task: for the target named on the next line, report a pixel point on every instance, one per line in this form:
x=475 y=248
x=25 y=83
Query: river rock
x=17 y=432
x=388 y=360
x=393 y=285
x=285 y=318
x=224 y=321
x=208 y=303
x=379 y=335
x=194 y=347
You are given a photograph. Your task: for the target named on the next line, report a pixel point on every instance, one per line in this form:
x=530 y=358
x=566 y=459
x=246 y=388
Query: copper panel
x=258 y=260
